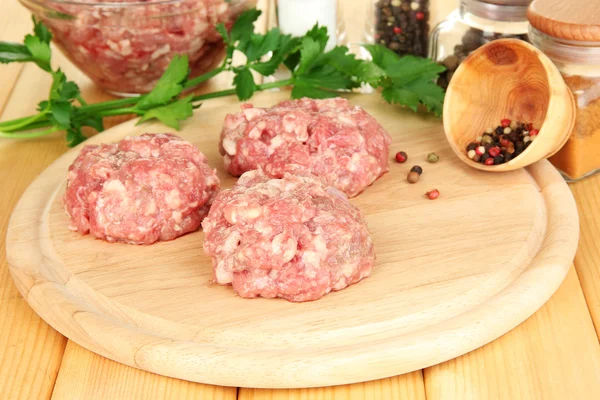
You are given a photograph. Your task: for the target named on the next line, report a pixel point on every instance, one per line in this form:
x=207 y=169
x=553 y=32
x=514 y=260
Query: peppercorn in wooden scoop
x=508 y=79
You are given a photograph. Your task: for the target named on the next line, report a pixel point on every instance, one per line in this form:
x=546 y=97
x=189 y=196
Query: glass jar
x=473 y=24
x=296 y=17
x=579 y=63
x=400 y=25
x=124 y=46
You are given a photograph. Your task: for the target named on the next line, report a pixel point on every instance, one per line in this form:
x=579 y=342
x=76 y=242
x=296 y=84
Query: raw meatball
x=339 y=143
x=294 y=238
x=141 y=190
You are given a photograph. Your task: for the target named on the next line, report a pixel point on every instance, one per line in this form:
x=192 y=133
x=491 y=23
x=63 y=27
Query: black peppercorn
x=417 y=169
x=472 y=146
x=499 y=130
x=499 y=159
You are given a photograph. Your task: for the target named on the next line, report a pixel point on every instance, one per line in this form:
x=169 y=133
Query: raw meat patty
x=339 y=143
x=294 y=238
x=141 y=190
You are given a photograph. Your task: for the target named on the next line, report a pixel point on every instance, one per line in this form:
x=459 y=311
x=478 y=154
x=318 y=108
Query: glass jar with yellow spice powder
x=568 y=32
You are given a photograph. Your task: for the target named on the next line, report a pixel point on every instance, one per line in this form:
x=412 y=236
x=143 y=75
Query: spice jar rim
x=102 y=4
x=495 y=12
x=564 y=50
x=114 y=4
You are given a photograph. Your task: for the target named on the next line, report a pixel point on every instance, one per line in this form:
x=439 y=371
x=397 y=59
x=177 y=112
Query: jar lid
x=497 y=10
x=577 y=20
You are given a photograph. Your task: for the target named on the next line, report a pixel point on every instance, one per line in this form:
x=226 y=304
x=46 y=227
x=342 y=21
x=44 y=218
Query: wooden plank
x=553 y=355
x=405 y=387
x=14 y=24
x=85 y=375
x=587 y=259
x=31 y=351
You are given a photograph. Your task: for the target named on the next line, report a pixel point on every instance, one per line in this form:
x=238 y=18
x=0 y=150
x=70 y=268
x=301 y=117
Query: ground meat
x=341 y=144
x=294 y=238
x=141 y=190
x=125 y=48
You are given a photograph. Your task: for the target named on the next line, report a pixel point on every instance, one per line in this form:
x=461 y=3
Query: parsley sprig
x=313 y=72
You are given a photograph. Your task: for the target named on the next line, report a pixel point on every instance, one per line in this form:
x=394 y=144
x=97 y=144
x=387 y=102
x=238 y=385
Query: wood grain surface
x=85 y=375
x=577 y=20
x=470 y=378
x=418 y=308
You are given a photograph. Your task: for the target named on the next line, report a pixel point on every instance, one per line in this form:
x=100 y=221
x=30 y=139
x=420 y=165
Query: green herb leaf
x=40 y=30
x=168 y=86
x=172 y=113
x=223 y=32
x=74 y=137
x=370 y=73
x=40 y=51
x=286 y=45
x=308 y=54
x=382 y=56
x=61 y=113
x=243 y=28
x=409 y=68
x=14 y=52
x=260 y=45
x=319 y=34
x=302 y=89
x=244 y=84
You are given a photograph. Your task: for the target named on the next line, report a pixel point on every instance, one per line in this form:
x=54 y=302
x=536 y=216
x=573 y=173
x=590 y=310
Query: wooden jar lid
x=577 y=20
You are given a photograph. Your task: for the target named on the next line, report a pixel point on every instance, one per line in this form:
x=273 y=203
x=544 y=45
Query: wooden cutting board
x=451 y=274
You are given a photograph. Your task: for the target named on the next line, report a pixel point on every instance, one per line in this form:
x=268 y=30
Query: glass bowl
x=124 y=46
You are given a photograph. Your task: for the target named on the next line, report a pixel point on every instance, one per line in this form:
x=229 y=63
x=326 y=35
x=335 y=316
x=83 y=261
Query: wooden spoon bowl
x=508 y=78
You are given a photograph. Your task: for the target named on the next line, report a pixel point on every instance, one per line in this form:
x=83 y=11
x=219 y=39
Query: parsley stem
x=17 y=124
x=29 y=135
x=203 y=78
x=229 y=92
x=118 y=111
x=109 y=105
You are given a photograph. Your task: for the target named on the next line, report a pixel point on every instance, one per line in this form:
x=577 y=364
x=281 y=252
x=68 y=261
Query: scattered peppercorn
x=401 y=157
x=502 y=144
x=417 y=169
x=433 y=158
x=433 y=194
x=413 y=177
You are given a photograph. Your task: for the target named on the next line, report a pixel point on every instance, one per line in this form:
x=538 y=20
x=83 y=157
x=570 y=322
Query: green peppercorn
x=433 y=158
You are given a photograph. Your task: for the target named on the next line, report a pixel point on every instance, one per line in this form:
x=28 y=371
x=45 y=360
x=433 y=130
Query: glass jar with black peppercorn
x=473 y=24
x=400 y=25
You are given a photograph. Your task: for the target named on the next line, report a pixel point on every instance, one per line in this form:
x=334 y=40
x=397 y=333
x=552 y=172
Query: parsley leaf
x=262 y=44
x=40 y=30
x=244 y=84
x=40 y=51
x=302 y=89
x=308 y=54
x=74 y=137
x=243 y=28
x=172 y=113
x=168 y=86
x=14 y=52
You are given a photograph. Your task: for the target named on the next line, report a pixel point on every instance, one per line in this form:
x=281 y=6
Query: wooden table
x=555 y=354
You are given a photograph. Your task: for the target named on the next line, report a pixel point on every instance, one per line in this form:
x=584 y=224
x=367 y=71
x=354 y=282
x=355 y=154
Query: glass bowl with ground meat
x=124 y=46
x=473 y=24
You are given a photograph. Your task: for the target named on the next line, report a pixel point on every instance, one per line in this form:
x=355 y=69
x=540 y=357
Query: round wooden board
x=451 y=274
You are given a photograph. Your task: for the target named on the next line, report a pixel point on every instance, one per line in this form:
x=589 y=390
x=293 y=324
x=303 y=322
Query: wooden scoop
x=508 y=78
